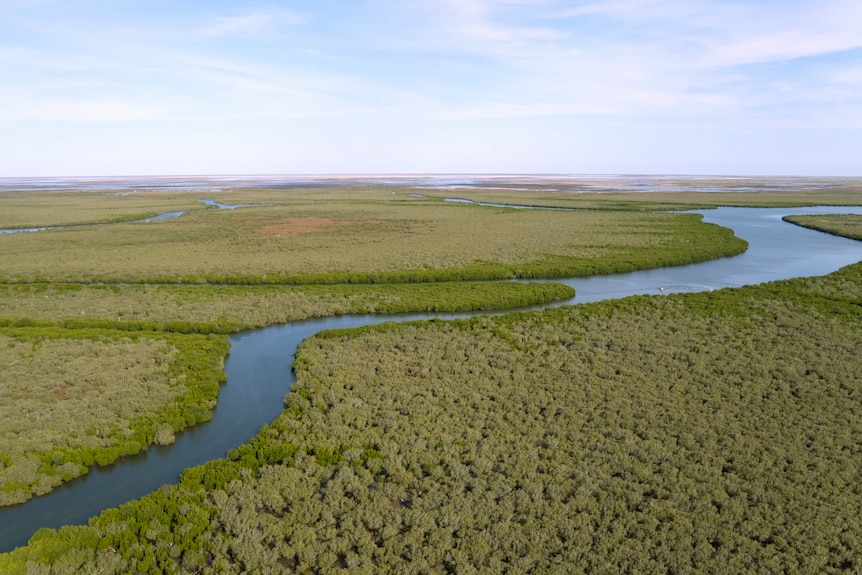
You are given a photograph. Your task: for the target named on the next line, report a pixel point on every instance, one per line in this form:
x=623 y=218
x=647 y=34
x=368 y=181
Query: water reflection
x=259 y=373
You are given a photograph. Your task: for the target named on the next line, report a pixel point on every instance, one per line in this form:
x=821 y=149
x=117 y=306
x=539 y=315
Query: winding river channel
x=259 y=373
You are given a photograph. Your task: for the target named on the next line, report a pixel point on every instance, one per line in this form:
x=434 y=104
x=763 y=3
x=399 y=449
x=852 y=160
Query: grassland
x=74 y=398
x=578 y=433
x=356 y=236
x=92 y=373
x=227 y=309
x=847 y=225
x=694 y=433
x=33 y=209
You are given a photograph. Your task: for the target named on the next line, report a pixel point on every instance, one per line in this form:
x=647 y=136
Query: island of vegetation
x=847 y=225
x=690 y=433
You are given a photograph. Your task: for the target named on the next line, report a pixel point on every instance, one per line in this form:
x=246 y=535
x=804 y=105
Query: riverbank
x=99 y=389
x=697 y=432
x=322 y=454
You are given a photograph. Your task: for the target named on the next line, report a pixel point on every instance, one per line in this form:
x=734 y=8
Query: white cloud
x=735 y=33
x=817 y=36
x=253 y=23
x=689 y=65
x=849 y=77
x=646 y=57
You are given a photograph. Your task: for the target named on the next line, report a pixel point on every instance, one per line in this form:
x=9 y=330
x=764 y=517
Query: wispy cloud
x=705 y=65
x=253 y=23
x=634 y=57
x=732 y=33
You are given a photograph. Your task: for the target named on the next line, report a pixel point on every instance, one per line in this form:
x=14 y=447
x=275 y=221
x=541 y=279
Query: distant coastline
x=566 y=182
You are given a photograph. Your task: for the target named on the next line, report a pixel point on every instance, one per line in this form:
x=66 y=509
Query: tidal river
x=259 y=373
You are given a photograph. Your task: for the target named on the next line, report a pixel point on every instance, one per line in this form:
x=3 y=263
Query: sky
x=150 y=87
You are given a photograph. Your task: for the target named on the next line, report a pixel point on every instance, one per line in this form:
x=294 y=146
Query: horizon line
x=369 y=175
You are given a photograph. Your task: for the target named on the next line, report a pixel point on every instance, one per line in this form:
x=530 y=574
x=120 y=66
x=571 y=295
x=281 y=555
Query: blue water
x=165 y=216
x=259 y=373
x=221 y=206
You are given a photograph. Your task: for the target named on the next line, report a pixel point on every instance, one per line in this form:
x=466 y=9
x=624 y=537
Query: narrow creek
x=259 y=374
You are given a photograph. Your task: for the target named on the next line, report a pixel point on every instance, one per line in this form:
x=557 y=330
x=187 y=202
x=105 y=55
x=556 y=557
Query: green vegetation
x=224 y=309
x=602 y=194
x=692 y=433
x=360 y=236
x=847 y=225
x=33 y=209
x=75 y=398
x=97 y=392
x=116 y=417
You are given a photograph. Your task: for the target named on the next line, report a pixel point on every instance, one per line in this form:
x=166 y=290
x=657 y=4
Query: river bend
x=259 y=373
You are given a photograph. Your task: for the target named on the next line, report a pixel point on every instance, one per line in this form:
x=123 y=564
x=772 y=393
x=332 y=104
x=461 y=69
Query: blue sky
x=138 y=87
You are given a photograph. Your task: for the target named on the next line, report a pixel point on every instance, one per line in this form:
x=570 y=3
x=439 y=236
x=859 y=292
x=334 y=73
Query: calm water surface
x=259 y=373
x=165 y=216
x=777 y=250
